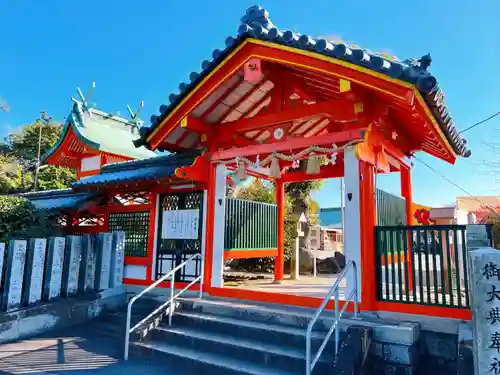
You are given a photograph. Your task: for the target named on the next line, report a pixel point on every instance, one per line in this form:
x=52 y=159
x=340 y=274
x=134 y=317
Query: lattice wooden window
x=136 y=228
x=128 y=198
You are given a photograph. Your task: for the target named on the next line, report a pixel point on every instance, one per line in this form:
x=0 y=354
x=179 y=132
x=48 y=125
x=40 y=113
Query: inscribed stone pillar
x=54 y=268
x=13 y=287
x=71 y=268
x=87 y=265
x=484 y=274
x=103 y=260
x=117 y=259
x=34 y=270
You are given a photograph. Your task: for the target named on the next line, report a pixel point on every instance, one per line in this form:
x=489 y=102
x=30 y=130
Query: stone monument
x=87 y=266
x=13 y=286
x=71 y=265
x=484 y=276
x=117 y=259
x=34 y=270
x=477 y=237
x=103 y=260
x=54 y=268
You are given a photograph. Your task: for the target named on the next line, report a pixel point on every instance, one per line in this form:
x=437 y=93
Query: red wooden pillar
x=407 y=195
x=368 y=221
x=209 y=236
x=153 y=217
x=280 y=258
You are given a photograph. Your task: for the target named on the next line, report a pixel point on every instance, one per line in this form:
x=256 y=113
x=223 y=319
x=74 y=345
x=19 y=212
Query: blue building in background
x=330 y=217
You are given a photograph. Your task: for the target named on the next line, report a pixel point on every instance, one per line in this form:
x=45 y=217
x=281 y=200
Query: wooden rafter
x=339 y=110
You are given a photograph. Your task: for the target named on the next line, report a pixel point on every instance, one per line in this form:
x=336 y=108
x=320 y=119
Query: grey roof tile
x=256 y=24
x=54 y=200
x=138 y=170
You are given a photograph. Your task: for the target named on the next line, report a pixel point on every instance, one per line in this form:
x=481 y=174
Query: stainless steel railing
x=169 y=303
x=333 y=292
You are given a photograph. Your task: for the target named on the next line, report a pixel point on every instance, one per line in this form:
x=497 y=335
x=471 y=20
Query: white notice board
x=180 y=224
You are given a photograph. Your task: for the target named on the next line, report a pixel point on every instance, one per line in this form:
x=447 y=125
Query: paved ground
x=306 y=286
x=80 y=352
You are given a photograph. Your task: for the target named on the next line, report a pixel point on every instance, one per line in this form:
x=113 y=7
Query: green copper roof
x=103 y=132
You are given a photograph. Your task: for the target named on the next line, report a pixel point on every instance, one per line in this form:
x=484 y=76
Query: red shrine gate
x=274 y=104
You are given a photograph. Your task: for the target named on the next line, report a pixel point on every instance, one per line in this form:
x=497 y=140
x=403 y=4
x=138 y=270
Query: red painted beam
x=288 y=145
x=195 y=124
x=338 y=110
x=327 y=171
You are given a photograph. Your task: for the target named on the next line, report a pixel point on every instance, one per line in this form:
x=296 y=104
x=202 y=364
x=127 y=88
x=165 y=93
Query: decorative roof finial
x=425 y=61
x=134 y=116
x=83 y=99
x=257 y=15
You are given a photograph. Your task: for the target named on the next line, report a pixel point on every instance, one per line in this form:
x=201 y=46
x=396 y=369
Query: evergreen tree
x=18 y=160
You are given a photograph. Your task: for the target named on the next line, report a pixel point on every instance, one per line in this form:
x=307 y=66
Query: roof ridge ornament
x=134 y=117
x=257 y=16
x=84 y=101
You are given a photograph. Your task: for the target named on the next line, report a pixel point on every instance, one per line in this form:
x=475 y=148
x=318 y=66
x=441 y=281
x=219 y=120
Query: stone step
x=395 y=332
x=272 y=333
x=191 y=361
x=260 y=351
x=114 y=324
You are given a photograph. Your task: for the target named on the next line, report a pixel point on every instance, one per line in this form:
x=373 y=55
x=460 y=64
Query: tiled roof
x=104 y=132
x=256 y=24
x=54 y=200
x=138 y=170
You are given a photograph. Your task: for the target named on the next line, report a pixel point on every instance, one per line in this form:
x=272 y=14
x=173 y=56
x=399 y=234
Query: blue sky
x=143 y=50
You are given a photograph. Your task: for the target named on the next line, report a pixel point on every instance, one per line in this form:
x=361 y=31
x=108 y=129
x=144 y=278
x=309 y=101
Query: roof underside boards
x=153 y=169
x=93 y=132
x=58 y=200
x=236 y=98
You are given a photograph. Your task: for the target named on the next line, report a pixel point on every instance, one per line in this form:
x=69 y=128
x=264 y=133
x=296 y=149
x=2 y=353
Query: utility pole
x=44 y=120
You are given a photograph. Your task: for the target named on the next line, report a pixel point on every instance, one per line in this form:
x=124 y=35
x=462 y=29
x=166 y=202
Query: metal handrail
x=334 y=291
x=170 y=302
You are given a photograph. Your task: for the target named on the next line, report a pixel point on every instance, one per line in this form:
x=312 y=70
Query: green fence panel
x=250 y=225
x=391 y=209
x=438 y=265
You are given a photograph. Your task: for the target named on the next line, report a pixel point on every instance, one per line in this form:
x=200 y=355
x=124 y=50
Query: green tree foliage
x=296 y=195
x=18 y=156
x=20 y=219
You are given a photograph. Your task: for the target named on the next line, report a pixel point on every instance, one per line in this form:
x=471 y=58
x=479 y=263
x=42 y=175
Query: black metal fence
x=422 y=265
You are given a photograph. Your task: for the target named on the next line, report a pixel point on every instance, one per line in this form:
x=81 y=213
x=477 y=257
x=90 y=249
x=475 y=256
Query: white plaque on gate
x=180 y=224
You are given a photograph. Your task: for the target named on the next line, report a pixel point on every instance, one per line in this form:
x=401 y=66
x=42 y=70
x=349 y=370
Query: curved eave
x=68 y=129
x=151 y=137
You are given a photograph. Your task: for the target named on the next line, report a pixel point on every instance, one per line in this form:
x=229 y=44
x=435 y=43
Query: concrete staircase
x=213 y=336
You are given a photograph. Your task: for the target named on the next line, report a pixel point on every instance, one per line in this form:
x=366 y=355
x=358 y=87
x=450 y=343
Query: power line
x=479 y=123
x=458 y=187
